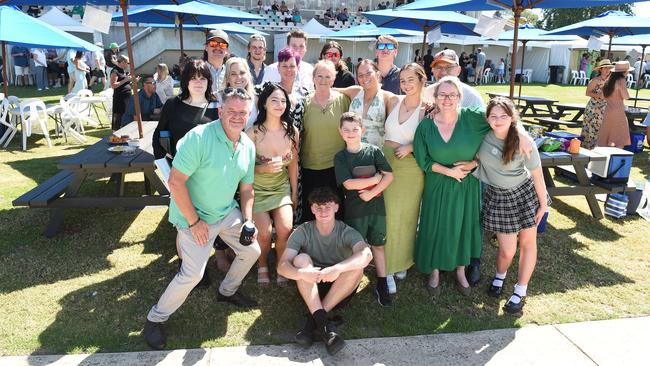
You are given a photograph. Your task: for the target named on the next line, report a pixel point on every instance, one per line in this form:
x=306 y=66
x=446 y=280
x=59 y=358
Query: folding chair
x=33 y=114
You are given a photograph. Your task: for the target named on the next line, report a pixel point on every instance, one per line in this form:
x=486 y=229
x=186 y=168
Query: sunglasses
x=385 y=46
x=332 y=54
x=242 y=93
x=217 y=44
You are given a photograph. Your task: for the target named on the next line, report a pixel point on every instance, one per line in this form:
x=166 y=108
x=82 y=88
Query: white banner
x=97 y=19
x=489 y=27
x=594 y=44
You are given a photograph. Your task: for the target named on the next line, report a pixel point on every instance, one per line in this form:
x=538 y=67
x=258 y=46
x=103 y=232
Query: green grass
x=89 y=288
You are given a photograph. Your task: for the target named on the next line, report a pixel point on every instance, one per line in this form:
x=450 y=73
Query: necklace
x=409 y=109
x=323 y=107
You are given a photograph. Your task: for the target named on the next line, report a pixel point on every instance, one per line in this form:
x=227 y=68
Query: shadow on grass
x=585 y=223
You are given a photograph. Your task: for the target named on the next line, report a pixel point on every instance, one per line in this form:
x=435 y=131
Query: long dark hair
x=333 y=44
x=286 y=119
x=511 y=143
x=608 y=89
x=195 y=68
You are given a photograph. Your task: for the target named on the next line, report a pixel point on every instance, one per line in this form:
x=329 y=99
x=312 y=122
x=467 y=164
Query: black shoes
x=237 y=299
x=383 y=297
x=495 y=291
x=512 y=308
x=333 y=342
x=154 y=335
x=473 y=274
x=305 y=336
x=205 y=280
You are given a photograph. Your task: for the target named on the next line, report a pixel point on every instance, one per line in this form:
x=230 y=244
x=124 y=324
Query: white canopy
x=314 y=29
x=59 y=19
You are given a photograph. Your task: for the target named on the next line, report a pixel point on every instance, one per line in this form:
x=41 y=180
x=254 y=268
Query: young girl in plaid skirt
x=514 y=200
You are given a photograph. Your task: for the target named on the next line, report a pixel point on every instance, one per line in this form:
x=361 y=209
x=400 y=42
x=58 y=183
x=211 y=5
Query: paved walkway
x=607 y=342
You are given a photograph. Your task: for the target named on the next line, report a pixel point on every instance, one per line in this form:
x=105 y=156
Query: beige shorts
x=21 y=70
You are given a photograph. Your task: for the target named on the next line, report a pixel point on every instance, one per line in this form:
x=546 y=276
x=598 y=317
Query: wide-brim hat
x=604 y=63
x=622 y=66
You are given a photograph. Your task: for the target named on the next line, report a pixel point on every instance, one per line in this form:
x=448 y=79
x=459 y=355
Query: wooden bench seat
x=553 y=123
x=46 y=192
x=568 y=172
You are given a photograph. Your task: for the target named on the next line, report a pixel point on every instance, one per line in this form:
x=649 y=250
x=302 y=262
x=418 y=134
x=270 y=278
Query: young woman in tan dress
x=615 y=130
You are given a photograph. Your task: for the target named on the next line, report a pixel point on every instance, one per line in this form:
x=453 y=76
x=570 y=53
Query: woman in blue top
x=514 y=200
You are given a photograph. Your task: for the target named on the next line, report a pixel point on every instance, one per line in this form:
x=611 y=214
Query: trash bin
x=556 y=74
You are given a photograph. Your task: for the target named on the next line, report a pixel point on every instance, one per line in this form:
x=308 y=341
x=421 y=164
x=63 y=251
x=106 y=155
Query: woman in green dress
x=449 y=233
x=276 y=173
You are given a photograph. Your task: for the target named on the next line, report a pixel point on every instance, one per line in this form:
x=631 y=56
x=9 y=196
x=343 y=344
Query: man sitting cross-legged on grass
x=326 y=258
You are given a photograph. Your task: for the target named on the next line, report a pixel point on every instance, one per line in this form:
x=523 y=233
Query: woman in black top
x=121 y=84
x=333 y=52
x=194 y=106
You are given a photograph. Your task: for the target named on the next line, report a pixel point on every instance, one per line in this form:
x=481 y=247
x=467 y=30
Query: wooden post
x=523 y=55
x=638 y=80
x=513 y=60
x=134 y=81
x=5 y=86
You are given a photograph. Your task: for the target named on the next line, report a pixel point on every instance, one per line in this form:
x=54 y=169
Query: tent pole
x=134 y=80
x=513 y=61
x=521 y=76
x=180 y=33
x=5 y=86
x=424 y=39
x=638 y=79
x=609 y=48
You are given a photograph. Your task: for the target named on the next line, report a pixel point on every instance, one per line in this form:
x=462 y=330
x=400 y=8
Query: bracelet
x=194 y=224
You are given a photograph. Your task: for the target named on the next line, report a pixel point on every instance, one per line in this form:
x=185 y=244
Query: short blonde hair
x=324 y=64
x=244 y=65
x=163 y=71
x=388 y=38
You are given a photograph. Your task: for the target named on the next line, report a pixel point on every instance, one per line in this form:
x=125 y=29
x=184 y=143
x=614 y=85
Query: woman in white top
x=237 y=74
x=370 y=102
x=402 y=198
x=164 y=83
x=80 y=71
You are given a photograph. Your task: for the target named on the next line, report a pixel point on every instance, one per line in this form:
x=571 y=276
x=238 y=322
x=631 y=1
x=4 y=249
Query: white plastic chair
x=85 y=93
x=646 y=81
x=574 y=77
x=528 y=75
x=33 y=114
x=5 y=120
x=630 y=81
x=486 y=76
x=70 y=121
x=583 y=78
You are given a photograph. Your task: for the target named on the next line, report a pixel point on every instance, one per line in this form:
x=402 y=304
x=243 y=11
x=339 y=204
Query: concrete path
x=608 y=342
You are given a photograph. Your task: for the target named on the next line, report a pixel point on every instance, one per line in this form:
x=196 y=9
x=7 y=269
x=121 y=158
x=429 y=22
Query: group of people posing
x=385 y=170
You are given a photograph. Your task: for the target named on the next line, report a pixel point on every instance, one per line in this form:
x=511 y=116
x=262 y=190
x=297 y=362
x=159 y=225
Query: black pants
x=318 y=178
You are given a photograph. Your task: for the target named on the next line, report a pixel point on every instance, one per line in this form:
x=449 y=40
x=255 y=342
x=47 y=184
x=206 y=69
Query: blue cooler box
x=563 y=135
x=636 y=143
x=615 y=169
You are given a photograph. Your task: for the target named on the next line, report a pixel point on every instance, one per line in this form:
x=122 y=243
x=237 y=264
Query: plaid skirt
x=509 y=210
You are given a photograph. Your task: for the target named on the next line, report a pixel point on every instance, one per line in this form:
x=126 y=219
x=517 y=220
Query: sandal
x=263 y=275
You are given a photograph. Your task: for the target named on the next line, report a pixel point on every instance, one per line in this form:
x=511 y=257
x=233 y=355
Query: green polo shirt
x=214 y=168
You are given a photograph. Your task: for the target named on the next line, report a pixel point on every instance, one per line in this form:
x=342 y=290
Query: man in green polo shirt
x=212 y=161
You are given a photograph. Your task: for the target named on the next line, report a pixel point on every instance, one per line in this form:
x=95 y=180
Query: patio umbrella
x=643 y=41
x=448 y=21
x=197 y=12
x=516 y=6
x=230 y=28
x=529 y=33
x=123 y=5
x=13 y=24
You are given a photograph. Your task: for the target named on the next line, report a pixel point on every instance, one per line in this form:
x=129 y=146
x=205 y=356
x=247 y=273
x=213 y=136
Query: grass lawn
x=89 y=288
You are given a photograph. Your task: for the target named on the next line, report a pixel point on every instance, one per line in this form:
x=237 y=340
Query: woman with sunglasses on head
x=333 y=52
x=276 y=174
x=121 y=84
x=514 y=200
x=195 y=105
x=445 y=146
x=237 y=75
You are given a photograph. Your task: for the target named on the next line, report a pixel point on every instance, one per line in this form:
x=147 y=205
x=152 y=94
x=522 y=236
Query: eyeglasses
x=217 y=44
x=503 y=117
x=332 y=54
x=447 y=69
x=149 y=82
x=385 y=46
x=239 y=92
x=447 y=96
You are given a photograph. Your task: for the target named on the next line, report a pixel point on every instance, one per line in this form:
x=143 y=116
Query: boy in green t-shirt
x=364 y=173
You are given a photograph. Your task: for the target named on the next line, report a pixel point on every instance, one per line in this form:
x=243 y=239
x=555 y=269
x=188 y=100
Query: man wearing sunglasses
x=386 y=51
x=150 y=104
x=216 y=51
x=212 y=161
x=445 y=63
x=297 y=41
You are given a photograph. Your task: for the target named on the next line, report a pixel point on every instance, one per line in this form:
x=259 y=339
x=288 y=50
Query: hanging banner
x=594 y=44
x=434 y=35
x=97 y=19
x=489 y=27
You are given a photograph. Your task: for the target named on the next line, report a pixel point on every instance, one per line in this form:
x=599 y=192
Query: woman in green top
x=276 y=173
x=514 y=201
x=320 y=137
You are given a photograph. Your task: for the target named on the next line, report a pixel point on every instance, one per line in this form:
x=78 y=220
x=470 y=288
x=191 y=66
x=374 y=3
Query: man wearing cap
x=386 y=51
x=216 y=51
x=256 y=57
x=480 y=65
x=446 y=63
x=297 y=41
x=110 y=56
x=99 y=72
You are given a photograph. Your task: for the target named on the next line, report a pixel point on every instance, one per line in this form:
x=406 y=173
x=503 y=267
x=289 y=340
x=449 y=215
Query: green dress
x=449 y=232
x=272 y=190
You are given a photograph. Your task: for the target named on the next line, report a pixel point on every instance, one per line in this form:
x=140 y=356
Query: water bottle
x=247 y=232
x=165 y=141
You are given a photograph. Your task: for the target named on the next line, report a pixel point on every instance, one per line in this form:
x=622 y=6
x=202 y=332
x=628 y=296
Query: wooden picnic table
x=532 y=104
x=569 y=107
x=60 y=192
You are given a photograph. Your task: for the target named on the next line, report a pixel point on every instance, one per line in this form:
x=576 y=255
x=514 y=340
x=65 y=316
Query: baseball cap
x=217 y=33
x=113 y=45
x=445 y=56
x=99 y=44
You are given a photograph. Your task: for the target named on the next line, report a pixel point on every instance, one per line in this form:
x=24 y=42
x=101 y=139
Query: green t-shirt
x=491 y=169
x=215 y=168
x=320 y=139
x=328 y=250
x=365 y=163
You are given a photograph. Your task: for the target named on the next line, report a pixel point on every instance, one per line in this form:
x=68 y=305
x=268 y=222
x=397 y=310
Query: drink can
x=247 y=233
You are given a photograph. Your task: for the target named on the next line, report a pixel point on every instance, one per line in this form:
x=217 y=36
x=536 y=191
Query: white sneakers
x=390 y=279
